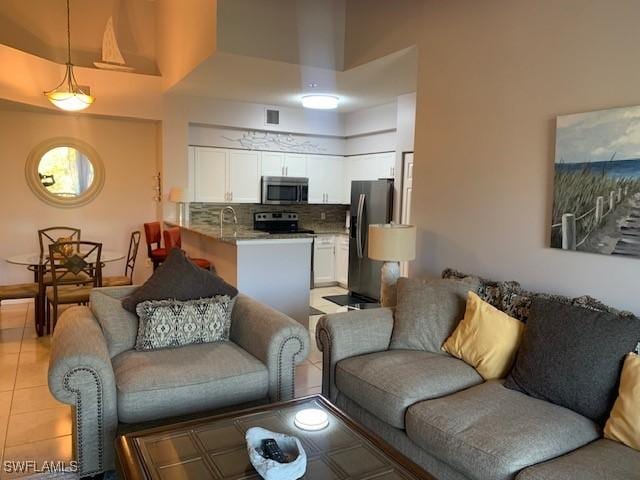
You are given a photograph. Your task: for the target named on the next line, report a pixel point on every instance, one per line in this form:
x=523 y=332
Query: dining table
x=36 y=262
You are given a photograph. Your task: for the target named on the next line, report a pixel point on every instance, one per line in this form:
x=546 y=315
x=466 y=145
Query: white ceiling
x=250 y=79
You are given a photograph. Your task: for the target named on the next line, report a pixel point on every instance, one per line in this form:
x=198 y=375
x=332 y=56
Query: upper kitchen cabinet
x=279 y=164
x=244 y=176
x=209 y=174
x=273 y=164
x=367 y=167
x=223 y=175
x=295 y=165
x=325 y=173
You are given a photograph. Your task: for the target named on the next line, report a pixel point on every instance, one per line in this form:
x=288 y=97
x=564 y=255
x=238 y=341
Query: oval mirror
x=65 y=172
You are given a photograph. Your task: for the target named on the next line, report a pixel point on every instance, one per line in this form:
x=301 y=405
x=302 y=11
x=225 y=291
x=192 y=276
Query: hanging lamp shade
x=68 y=95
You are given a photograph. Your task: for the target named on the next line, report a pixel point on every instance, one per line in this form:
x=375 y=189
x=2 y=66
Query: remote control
x=272 y=451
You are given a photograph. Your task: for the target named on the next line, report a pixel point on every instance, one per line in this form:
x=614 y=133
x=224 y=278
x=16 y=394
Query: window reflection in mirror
x=65 y=172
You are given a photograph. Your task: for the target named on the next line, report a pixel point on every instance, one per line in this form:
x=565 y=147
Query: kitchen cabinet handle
x=286 y=171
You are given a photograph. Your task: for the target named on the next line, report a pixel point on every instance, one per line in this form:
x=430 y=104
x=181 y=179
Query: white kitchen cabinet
x=324 y=260
x=279 y=164
x=367 y=167
x=272 y=164
x=325 y=174
x=222 y=175
x=244 y=176
x=209 y=174
x=342 y=260
x=295 y=165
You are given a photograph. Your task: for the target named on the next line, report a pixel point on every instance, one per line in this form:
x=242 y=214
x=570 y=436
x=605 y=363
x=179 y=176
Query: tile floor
x=34 y=426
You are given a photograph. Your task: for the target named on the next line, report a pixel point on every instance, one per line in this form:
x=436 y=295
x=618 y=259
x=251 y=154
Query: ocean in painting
x=615 y=168
x=596 y=204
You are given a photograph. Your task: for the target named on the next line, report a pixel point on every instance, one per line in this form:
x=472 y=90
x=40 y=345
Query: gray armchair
x=95 y=368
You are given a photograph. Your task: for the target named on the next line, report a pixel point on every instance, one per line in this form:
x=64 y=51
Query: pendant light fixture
x=68 y=95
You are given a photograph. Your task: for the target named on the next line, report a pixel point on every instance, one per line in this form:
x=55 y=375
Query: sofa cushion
x=177 y=381
x=387 y=383
x=602 y=459
x=572 y=356
x=178 y=278
x=428 y=311
x=119 y=326
x=489 y=432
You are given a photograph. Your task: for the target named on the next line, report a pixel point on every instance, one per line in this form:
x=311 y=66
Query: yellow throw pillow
x=486 y=338
x=624 y=420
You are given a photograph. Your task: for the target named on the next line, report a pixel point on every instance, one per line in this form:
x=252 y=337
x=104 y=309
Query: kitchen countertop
x=232 y=234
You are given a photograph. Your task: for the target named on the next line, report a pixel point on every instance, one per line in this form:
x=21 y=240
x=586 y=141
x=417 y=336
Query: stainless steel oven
x=285 y=190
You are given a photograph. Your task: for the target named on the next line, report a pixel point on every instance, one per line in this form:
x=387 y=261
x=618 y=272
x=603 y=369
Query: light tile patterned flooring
x=35 y=426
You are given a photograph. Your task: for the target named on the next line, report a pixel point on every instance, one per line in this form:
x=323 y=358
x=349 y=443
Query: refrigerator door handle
x=359 y=224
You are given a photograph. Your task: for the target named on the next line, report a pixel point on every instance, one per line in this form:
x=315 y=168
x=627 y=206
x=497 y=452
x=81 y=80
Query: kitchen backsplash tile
x=309 y=215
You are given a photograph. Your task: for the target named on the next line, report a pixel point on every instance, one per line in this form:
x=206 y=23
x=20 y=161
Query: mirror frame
x=34 y=182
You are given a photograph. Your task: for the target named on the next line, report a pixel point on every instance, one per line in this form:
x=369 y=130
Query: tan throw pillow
x=624 y=421
x=486 y=338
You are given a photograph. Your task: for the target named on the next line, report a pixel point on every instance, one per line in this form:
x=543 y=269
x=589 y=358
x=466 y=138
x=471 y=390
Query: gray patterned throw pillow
x=174 y=323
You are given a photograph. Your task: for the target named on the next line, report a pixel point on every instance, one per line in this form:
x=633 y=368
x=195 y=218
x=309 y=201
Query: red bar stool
x=153 y=237
x=172 y=239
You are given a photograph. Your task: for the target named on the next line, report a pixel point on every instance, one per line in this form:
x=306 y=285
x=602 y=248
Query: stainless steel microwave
x=285 y=190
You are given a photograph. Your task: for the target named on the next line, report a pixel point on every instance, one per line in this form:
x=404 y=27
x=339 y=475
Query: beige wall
x=375 y=28
x=186 y=35
x=39 y=27
x=128 y=150
x=493 y=77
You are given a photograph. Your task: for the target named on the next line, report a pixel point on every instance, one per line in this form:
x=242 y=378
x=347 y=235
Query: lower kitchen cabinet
x=331 y=260
x=324 y=260
x=342 y=260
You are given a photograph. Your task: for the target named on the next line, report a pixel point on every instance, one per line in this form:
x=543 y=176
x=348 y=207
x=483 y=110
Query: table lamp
x=179 y=196
x=391 y=243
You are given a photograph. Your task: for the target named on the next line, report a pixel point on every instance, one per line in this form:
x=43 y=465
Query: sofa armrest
x=344 y=335
x=272 y=337
x=81 y=375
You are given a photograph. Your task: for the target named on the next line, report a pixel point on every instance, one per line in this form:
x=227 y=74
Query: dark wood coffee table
x=214 y=447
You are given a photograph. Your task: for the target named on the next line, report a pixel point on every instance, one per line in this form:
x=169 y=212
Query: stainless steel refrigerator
x=371 y=202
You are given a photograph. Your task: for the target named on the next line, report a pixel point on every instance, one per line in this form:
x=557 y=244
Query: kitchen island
x=272 y=268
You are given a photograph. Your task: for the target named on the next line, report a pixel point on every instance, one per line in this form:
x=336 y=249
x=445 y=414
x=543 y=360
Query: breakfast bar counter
x=272 y=268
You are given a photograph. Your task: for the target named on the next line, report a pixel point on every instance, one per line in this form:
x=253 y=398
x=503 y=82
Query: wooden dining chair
x=54 y=236
x=153 y=237
x=173 y=239
x=47 y=236
x=127 y=278
x=75 y=269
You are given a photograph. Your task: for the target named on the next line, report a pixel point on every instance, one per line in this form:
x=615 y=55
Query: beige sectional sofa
x=440 y=413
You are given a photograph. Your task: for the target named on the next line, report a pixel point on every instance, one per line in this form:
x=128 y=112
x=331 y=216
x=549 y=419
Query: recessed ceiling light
x=321 y=102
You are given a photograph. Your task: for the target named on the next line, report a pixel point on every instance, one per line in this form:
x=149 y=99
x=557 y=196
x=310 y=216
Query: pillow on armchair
x=178 y=278
x=172 y=323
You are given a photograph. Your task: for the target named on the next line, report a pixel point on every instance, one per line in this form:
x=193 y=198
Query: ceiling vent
x=272 y=117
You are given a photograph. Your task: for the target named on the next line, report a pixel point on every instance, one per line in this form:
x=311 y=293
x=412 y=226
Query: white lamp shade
x=178 y=195
x=392 y=242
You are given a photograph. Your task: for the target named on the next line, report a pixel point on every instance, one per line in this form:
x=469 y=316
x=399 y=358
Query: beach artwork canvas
x=596 y=204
